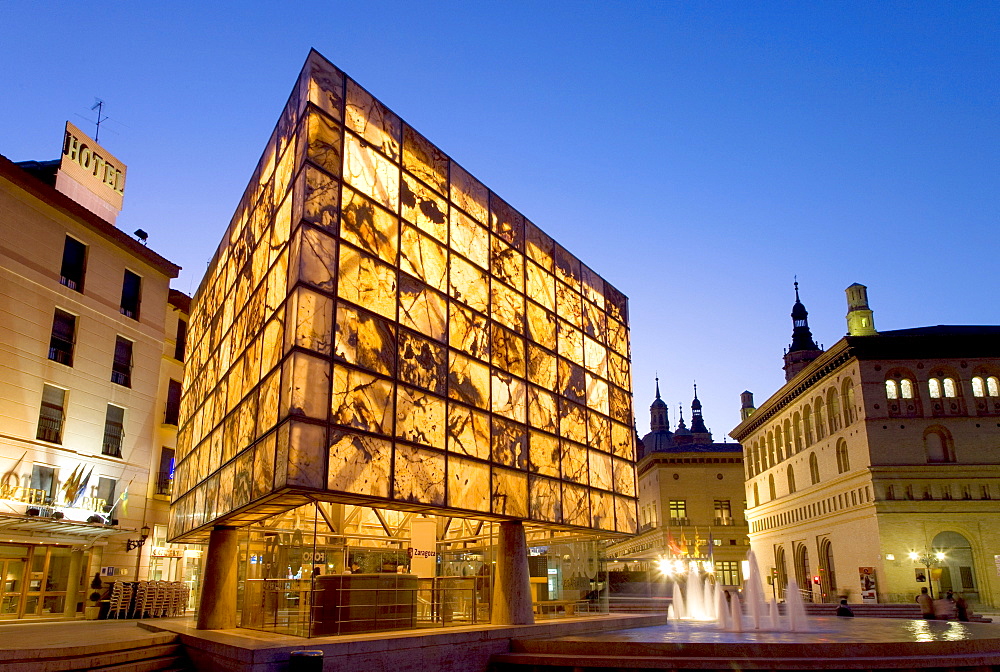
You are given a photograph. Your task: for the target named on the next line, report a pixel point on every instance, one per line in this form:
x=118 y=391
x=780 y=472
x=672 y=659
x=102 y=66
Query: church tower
x=699 y=431
x=860 y=321
x=803 y=348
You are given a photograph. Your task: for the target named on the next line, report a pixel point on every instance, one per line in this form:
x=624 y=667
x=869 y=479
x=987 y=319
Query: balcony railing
x=112 y=444
x=680 y=522
x=49 y=429
x=61 y=351
x=121 y=376
x=723 y=521
x=165 y=483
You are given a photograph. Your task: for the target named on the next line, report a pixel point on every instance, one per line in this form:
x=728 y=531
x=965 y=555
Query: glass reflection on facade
x=378 y=328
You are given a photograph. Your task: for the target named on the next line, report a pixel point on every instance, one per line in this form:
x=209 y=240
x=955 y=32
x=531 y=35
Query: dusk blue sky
x=697 y=155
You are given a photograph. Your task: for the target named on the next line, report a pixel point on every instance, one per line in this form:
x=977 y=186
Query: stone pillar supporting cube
x=217 y=609
x=511 y=586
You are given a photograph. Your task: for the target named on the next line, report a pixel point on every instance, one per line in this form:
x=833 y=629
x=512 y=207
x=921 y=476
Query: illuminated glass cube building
x=377 y=328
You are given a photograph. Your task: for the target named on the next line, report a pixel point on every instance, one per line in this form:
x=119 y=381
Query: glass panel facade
x=377 y=328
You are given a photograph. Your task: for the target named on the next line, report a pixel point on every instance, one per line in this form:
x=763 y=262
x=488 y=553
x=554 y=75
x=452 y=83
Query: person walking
x=844 y=610
x=926 y=604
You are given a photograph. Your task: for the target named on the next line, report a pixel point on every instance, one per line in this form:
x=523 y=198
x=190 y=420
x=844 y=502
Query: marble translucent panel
x=567 y=267
x=506 y=222
x=359 y=464
x=595 y=322
x=468 y=431
x=466 y=481
x=576 y=505
x=602 y=510
x=367 y=282
x=569 y=304
x=418 y=475
x=373 y=121
x=543 y=410
x=424 y=208
x=624 y=477
x=538 y=245
x=420 y=417
x=306 y=455
x=225 y=495
x=369 y=227
x=600 y=470
x=545 y=498
x=541 y=326
x=510 y=443
x=425 y=259
x=469 y=332
x=321 y=199
x=508 y=306
x=509 y=396
x=618 y=337
x=598 y=431
x=507 y=263
x=469 y=239
x=572 y=421
x=423 y=309
x=246 y=422
x=540 y=286
x=618 y=370
x=469 y=285
x=242 y=479
x=315 y=255
x=370 y=173
x=593 y=286
x=365 y=340
x=468 y=380
x=304 y=384
x=622 y=441
x=361 y=400
x=597 y=394
x=570 y=342
x=508 y=350
x=422 y=362
x=469 y=194
x=616 y=303
x=260 y=260
x=625 y=515
x=542 y=369
x=283 y=176
x=263 y=467
x=311 y=318
x=425 y=160
x=544 y=455
x=510 y=493
x=621 y=408
x=325 y=87
x=277 y=283
x=572 y=381
x=325 y=146
x=279 y=232
x=574 y=462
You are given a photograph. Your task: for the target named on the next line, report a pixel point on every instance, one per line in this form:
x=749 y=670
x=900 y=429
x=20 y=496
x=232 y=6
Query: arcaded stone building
x=877 y=452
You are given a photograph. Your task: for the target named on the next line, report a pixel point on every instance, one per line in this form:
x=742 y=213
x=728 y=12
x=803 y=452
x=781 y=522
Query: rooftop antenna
x=99 y=106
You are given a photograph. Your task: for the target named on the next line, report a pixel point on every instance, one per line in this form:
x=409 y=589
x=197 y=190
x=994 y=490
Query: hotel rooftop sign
x=90 y=174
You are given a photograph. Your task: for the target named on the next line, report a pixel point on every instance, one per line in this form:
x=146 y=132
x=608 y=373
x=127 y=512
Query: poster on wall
x=868 y=585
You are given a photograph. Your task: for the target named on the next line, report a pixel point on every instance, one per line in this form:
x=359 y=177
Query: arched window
x=934 y=388
x=950 y=391
x=749 y=458
x=756 y=459
x=820 y=409
x=978 y=386
x=756 y=495
x=906 y=388
x=843 y=463
x=993 y=386
x=814 y=468
x=891 y=389
x=770 y=449
x=797 y=432
x=938 y=445
x=807 y=420
x=770 y=487
x=833 y=410
x=791 y=479
x=779 y=444
x=847 y=401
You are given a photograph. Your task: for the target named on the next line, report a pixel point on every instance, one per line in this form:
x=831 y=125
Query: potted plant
x=93 y=608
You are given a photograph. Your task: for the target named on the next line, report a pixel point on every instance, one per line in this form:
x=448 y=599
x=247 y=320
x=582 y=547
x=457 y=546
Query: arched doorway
x=802 y=575
x=958 y=570
x=782 y=567
x=827 y=572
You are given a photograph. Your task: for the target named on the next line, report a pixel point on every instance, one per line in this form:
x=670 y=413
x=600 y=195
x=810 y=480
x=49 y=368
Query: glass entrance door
x=12 y=573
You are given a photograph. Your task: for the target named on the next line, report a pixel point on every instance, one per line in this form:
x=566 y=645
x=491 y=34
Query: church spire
x=803 y=348
x=658 y=416
x=697 y=422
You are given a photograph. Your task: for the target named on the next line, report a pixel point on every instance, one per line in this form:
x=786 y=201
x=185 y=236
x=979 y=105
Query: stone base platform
x=833 y=643
x=454 y=649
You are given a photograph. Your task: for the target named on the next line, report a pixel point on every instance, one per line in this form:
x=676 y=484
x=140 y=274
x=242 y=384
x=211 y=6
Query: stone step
x=125 y=657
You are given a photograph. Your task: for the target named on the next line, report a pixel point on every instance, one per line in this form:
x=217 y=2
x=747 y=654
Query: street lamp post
x=928 y=559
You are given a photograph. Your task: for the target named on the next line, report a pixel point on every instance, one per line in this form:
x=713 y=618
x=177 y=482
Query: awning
x=67 y=529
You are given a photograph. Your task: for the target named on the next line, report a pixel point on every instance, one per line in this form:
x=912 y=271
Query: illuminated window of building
x=63 y=337
x=131 y=295
x=814 y=468
x=843 y=462
x=791 y=479
x=678 y=512
x=727 y=572
x=114 y=431
x=74 y=264
x=906 y=388
x=51 y=414
x=165 y=475
x=121 y=368
x=723 y=512
x=934 y=388
x=949 y=388
x=891 y=389
x=978 y=387
x=993 y=386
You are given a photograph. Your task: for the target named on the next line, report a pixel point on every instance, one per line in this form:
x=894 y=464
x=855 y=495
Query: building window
x=820 y=410
x=808 y=422
x=723 y=512
x=942 y=387
x=63 y=337
x=106 y=491
x=906 y=388
x=814 y=468
x=770 y=487
x=114 y=431
x=797 y=429
x=727 y=572
x=791 y=479
x=74 y=264
x=678 y=512
x=165 y=475
x=938 y=445
x=131 y=295
x=173 y=402
x=847 y=401
x=51 y=414
x=833 y=410
x=843 y=462
x=43 y=479
x=181 y=343
x=121 y=369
